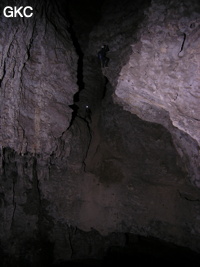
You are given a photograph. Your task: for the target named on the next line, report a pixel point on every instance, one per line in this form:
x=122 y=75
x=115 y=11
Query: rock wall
x=154 y=67
x=160 y=81
x=136 y=54
x=38 y=80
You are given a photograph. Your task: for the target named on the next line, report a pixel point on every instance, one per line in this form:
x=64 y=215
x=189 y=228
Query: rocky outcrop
x=159 y=82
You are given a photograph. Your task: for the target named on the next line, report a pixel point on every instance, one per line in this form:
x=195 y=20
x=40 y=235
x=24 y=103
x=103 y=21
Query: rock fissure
x=14 y=205
x=71 y=233
x=88 y=147
x=4 y=72
x=35 y=176
x=29 y=45
x=80 y=81
x=182 y=46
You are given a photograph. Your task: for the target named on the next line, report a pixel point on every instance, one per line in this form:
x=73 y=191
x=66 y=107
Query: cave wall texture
x=70 y=187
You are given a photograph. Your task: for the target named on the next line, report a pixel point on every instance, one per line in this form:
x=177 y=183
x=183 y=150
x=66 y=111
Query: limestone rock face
x=38 y=80
x=160 y=81
x=153 y=67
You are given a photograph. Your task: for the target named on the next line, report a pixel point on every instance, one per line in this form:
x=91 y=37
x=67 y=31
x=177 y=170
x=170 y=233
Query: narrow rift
x=80 y=81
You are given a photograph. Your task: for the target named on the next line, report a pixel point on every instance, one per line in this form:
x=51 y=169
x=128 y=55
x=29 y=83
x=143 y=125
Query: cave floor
x=143 y=251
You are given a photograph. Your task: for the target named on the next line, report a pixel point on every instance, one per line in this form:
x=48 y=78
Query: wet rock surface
x=121 y=182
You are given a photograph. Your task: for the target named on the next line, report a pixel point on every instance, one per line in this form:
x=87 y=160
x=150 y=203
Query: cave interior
x=112 y=186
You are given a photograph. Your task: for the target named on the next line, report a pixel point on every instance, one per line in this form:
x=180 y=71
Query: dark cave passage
x=75 y=14
x=80 y=81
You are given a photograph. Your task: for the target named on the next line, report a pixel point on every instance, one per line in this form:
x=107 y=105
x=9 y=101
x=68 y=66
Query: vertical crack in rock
x=89 y=144
x=6 y=55
x=182 y=46
x=71 y=232
x=80 y=82
x=193 y=36
x=1 y=157
x=29 y=45
x=13 y=201
x=35 y=175
x=4 y=73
